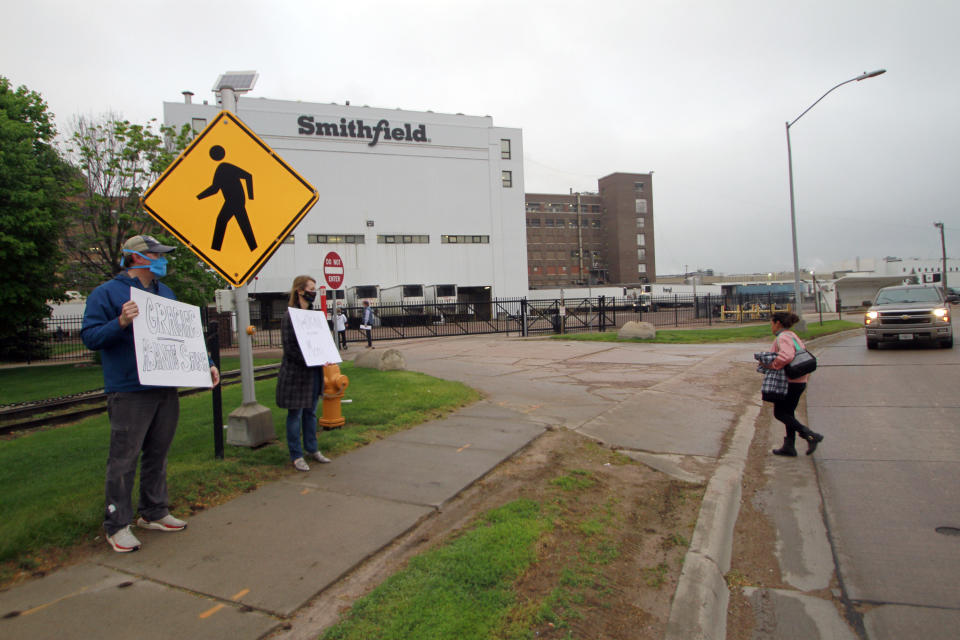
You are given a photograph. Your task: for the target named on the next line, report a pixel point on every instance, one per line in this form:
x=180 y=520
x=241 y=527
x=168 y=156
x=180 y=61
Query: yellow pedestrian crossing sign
x=230 y=198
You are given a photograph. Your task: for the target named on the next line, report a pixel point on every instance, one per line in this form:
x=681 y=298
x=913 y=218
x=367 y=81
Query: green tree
x=35 y=185
x=119 y=161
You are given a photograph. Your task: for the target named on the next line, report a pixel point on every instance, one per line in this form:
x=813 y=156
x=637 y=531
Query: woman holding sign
x=299 y=386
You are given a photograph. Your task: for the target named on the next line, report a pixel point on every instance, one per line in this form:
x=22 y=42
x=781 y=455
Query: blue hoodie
x=102 y=332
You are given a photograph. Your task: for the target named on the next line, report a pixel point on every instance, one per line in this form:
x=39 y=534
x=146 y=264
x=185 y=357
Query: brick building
x=581 y=239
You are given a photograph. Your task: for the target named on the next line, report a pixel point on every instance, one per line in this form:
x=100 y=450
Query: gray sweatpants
x=140 y=421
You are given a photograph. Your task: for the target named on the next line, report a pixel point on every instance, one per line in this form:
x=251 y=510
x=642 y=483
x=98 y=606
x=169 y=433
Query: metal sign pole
x=251 y=424
x=228 y=100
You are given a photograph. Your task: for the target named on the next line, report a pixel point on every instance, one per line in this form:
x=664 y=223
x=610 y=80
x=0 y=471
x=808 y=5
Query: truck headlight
x=872 y=315
x=940 y=312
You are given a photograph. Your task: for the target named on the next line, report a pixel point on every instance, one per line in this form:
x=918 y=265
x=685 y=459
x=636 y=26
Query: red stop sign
x=333 y=270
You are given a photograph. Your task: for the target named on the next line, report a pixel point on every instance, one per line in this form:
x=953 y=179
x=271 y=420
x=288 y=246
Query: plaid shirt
x=774 y=380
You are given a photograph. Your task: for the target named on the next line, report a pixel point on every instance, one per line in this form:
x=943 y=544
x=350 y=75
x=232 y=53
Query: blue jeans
x=305 y=421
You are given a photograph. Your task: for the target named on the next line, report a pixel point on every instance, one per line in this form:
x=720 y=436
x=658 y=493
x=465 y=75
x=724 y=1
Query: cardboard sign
x=168 y=339
x=314 y=337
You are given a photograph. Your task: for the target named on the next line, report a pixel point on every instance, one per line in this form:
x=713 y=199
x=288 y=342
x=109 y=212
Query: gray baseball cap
x=146 y=244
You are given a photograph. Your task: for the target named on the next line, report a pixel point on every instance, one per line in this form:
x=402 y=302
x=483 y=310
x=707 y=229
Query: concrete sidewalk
x=244 y=569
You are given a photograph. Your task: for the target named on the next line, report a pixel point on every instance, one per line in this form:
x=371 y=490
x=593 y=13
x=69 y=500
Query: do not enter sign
x=333 y=270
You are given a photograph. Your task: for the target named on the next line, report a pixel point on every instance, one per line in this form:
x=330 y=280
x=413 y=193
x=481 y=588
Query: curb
x=699 y=610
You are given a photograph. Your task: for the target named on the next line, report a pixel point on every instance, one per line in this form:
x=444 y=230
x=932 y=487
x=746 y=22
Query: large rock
x=382 y=359
x=635 y=329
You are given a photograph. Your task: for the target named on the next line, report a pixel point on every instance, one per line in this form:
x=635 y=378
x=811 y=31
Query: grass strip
x=460 y=590
x=53 y=479
x=722 y=334
x=32 y=382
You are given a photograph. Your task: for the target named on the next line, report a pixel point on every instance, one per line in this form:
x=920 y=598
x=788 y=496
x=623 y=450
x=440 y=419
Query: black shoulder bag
x=803 y=363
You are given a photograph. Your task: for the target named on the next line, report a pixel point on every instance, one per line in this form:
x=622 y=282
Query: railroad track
x=45 y=413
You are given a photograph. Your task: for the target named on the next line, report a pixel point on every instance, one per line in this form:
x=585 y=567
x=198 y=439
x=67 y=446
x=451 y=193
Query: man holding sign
x=143 y=418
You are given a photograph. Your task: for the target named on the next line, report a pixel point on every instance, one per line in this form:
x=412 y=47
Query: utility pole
x=580 y=239
x=943 y=249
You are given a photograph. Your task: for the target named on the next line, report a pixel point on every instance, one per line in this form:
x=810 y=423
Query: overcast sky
x=696 y=91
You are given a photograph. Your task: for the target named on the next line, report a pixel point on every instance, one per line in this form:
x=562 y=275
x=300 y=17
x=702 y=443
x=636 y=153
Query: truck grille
x=893 y=318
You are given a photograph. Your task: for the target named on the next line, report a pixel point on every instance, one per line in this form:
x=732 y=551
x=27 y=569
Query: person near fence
x=785 y=404
x=299 y=386
x=143 y=419
x=367 y=321
x=340 y=324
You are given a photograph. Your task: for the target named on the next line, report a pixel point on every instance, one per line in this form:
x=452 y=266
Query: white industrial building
x=405 y=197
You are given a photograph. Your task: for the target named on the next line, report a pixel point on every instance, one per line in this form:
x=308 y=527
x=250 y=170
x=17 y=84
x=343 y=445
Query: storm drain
x=949 y=531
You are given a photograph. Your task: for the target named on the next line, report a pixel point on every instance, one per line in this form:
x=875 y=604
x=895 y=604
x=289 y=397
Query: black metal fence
x=518 y=316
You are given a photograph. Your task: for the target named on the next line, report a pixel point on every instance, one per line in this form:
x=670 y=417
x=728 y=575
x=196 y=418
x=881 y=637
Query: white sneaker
x=319 y=457
x=166 y=523
x=301 y=465
x=123 y=541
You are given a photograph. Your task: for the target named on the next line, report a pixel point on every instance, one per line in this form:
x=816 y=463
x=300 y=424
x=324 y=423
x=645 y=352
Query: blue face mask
x=158 y=266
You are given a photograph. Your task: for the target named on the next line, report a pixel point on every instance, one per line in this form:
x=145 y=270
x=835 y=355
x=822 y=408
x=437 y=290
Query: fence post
x=601 y=320
x=676 y=310
x=709 y=311
x=523 y=317
x=213 y=344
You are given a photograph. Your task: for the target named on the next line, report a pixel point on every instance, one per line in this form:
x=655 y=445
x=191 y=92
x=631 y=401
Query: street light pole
x=943 y=248
x=793 y=213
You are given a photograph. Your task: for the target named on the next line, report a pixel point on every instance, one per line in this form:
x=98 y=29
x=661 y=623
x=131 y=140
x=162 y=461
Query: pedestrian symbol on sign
x=228 y=180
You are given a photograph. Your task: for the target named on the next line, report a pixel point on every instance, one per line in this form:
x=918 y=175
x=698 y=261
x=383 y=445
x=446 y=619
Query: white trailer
x=679 y=295
x=440 y=299
x=625 y=296
x=402 y=304
x=683 y=289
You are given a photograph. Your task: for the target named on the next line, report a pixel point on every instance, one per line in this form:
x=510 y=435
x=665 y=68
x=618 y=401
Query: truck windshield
x=366 y=292
x=412 y=291
x=906 y=296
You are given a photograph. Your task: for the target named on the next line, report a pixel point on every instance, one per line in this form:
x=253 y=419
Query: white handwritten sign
x=168 y=339
x=314 y=338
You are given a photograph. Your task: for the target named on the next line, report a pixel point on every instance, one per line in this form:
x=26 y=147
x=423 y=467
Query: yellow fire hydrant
x=334 y=384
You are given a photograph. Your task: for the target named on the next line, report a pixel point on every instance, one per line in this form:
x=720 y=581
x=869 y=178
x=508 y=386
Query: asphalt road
x=889 y=471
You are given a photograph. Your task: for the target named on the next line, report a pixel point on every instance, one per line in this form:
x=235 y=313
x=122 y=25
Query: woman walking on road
x=785 y=347
x=299 y=386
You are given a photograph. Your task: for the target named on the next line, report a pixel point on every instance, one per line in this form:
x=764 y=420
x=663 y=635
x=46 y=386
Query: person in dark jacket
x=367 y=321
x=299 y=386
x=143 y=419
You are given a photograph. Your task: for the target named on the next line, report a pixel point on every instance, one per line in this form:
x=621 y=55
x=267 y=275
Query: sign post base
x=250 y=425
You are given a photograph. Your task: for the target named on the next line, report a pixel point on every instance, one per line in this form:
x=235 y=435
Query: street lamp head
x=871 y=74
